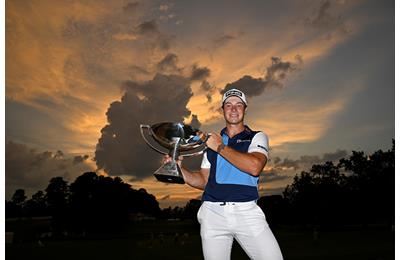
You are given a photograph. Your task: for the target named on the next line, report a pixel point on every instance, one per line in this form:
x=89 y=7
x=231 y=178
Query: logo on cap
x=234 y=92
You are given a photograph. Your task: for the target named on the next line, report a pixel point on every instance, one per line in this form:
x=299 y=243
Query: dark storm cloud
x=272 y=176
x=59 y=154
x=80 y=158
x=279 y=70
x=39 y=159
x=139 y=70
x=169 y=64
x=288 y=163
x=157 y=39
x=30 y=169
x=275 y=76
x=324 y=19
x=148 y=28
x=249 y=85
x=195 y=122
x=199 y=73
x=308 y=160
x=120 y=149
x=130 y=8
x=334 y=156
x=208 y=89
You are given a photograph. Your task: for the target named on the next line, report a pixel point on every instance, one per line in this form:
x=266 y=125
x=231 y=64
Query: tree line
x=355 y=190
x=359 y=189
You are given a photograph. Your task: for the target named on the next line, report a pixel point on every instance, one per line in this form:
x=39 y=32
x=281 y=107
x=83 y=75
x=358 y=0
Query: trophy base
x=169 y=172
x=169 y=178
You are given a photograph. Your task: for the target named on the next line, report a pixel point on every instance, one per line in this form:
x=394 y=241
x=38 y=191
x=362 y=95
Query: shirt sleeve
x=260 y=144
x=205 y=163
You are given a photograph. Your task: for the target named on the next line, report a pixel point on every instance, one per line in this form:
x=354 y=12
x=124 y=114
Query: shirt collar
x=242 y=134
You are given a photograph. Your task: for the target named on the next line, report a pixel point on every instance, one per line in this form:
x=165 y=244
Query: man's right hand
x=167 y=158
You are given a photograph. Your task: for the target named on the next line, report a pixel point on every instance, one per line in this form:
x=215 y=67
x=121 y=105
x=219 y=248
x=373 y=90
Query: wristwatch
x=220 y=148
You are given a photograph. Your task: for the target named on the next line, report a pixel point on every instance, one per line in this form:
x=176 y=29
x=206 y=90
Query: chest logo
x=242 y=141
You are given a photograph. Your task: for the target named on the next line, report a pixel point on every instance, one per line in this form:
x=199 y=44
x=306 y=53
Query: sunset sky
x=81 y=76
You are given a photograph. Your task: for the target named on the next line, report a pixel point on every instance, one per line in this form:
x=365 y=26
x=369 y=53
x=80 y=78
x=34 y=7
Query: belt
x=224 y=203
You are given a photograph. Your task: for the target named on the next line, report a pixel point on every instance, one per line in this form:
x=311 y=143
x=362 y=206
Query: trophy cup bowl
x=177 y=138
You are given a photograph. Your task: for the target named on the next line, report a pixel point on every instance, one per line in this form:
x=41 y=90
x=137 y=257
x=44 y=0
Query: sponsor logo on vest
x=242 y=141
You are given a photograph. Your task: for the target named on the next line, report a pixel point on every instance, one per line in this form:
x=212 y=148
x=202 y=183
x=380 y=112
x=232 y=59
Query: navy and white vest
x=226 y=183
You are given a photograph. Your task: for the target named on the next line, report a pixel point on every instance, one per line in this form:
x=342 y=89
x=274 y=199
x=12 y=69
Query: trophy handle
x=199 y=152
x=194 y=154
x=147 y=142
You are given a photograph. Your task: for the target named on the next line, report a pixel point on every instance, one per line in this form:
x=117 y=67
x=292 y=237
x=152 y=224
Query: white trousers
x=243 y=221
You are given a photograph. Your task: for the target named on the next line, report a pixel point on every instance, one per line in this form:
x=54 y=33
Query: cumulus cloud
x=30 y=169
x=68 y=50
x=121 y=150
x=275 y=75
x=199 y=73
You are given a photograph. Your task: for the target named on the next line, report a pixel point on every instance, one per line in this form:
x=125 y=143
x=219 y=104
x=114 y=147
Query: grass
x=181 y=240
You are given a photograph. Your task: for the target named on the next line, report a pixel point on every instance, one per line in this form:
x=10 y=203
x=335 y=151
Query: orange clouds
x=68 y=59
x=55 y=59
x=291 y=122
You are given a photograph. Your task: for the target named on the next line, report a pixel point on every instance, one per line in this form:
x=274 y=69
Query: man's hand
x=167 y=159
x=214 y=140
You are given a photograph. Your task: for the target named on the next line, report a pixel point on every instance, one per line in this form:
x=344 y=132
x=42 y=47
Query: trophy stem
x=171 y=172
x=177 y=138
x=174 y=153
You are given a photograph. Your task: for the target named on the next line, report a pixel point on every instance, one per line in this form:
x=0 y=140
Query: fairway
x=181 y=240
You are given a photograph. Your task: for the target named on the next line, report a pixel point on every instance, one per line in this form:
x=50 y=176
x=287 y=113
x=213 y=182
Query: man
x=229 y=176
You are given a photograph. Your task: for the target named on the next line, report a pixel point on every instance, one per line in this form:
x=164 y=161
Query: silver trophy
x=177 y=138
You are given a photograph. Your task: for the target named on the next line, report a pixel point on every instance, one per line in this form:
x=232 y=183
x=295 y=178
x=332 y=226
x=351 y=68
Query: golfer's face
x=234 y=110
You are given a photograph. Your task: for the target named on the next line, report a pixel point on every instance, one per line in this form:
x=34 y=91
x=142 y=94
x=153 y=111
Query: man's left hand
x=214 y=140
